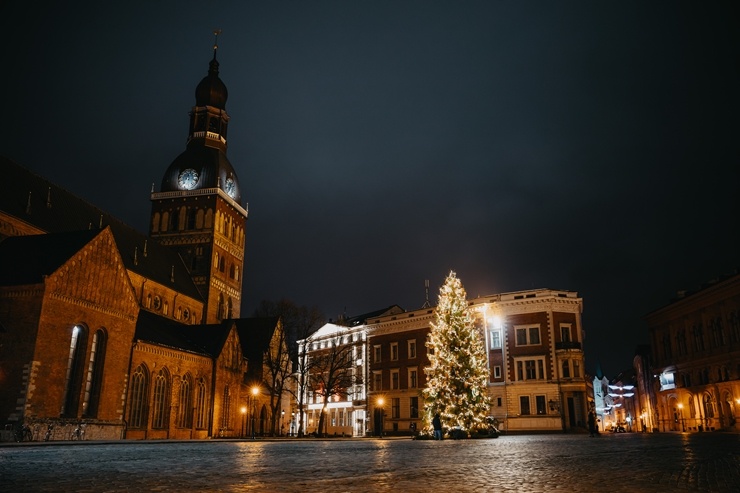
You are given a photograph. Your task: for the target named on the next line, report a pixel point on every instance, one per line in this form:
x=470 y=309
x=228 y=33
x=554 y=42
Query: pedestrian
x=437 y=425
x=592 y=423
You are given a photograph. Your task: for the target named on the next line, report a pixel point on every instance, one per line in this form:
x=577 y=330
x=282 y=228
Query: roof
x=362 y=318
x=255 y=335
x=39 y=202
x=28 y=259
x=207 y=340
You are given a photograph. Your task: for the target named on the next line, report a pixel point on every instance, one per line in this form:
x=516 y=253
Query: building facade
x=695 y=344
x=534 y=344
x=124 y=334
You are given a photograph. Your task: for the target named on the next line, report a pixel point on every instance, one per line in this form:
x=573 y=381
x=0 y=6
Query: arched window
x=161 y=399
x=94 y=374
x=209 y=219
x=201 y=415
x=149 y=300
x=192 y=214
x=236 y=275
x=139 y=397
x=166 y=308
x=182 y=218
x=222 y=264
x=220 y=310
x=75 y=369
x=229 y=308
x=226 y=409
x=185 y=411
x=199 y=216
x=165 y=221
x=155 y=222
x=232 y=271
x=708 y=406
x=215 y=260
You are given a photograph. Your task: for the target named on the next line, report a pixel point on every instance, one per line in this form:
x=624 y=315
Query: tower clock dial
x=230 y=187
x=188 y=179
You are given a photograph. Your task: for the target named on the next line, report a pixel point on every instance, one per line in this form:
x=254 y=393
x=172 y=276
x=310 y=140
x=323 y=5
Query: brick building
x=695 y=343
x=131 y=335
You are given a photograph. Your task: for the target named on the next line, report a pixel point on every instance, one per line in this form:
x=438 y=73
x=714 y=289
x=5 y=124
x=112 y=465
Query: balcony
x=567 y=345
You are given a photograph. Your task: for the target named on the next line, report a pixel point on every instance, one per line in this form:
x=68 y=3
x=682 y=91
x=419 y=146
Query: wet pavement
x=629 y=462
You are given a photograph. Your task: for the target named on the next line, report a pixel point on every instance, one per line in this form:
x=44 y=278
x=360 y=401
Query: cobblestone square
x=628 y=462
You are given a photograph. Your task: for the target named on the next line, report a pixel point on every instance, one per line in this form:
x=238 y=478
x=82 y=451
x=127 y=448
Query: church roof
x=255 y=335
x=207 y=340
x=28 y=259
x=38 y=202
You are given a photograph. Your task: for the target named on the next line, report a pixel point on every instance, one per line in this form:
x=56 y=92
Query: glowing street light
x=244 y=420
x=381 y=403
x=680 y=410
x=255 y=393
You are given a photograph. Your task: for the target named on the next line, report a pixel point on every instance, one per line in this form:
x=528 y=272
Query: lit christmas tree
x=457 y=378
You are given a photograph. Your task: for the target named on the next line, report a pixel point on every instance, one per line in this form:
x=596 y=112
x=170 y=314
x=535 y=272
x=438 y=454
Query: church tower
x=198 y=210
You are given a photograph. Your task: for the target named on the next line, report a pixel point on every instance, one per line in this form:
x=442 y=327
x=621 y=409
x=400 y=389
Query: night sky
x=587 y=146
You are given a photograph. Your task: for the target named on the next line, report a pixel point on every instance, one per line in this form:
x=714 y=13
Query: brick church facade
x=131 y=335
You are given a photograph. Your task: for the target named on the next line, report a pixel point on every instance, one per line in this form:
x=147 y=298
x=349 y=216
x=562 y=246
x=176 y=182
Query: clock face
x=230 y=187
x=188 y=179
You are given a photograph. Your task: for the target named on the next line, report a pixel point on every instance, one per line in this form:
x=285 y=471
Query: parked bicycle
x=78 y=433
x=49 y=432
x=23 y=433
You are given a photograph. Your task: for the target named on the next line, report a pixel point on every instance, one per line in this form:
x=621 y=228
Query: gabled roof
x=207 y=340
x=27 y=259
x=255 y=335
x=39 y=202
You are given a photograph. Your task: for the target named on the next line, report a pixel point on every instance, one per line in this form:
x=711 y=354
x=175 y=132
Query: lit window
x=496 y=339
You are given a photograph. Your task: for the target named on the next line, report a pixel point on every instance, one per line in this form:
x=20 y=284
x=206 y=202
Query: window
x=394 y=351
x=75 y=369
x=527 y=336
x=530 y=369
x=395 y=408
x=496 y=339
x=413 y=380
x=576 y=369
x=496 y=372
x=566 y=368
x=377 y=380
x=139 y=395
x=94 y=375
x=524 y=405
x=185 y=414
x=498 y=401
x=376 y=353
x=412 y=348
x=394 y=380
x=226 y=409
x=161 y=402
x=565 y=333
x=414 y=407
x=541 y=405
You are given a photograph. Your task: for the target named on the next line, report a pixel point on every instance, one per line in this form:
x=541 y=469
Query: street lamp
x=255 y=393
x=292 y=423
x=244 y=420
x=282 y=422
x=381 y=403
x=680 y=410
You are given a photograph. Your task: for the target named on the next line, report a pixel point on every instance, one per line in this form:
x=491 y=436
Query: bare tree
x=331 y=373
x=298 y=322
x=278 y=373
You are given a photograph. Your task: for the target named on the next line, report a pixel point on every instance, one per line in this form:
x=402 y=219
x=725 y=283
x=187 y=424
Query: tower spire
x=216 y=32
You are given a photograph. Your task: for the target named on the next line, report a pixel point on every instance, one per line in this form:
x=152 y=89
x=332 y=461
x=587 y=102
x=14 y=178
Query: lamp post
x=244 y=420
x=255 y=393
x=381 y=402
x=292 y=423
x=282 y=422
x=680 y=410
